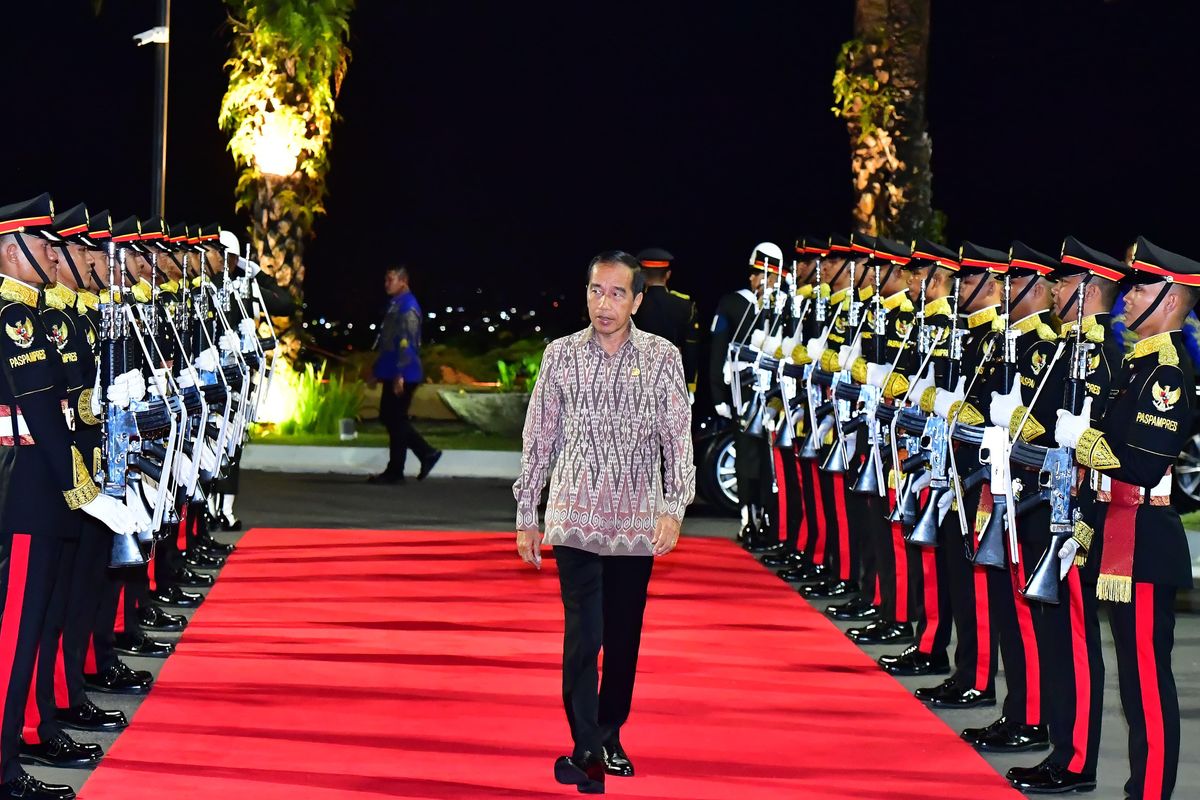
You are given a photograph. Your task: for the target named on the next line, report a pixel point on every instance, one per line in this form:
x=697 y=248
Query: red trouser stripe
x=1083 y=674
x=61 y=696
x=1147 y=665
x=10 y=622
x=900 y=557
x=150 y=570
x=802 y=536
x=1033 y=664
x=819 y=549
x=181 y=536
x=119 y=623
x=843 y=528
x=781 y=485
x=983 y=628
x=30 y=732
x=929 y=581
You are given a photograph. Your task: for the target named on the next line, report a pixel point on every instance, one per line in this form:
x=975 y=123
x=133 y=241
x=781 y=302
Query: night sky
x=498 y=146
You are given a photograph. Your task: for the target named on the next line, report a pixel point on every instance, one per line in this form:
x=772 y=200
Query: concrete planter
x=501 y=413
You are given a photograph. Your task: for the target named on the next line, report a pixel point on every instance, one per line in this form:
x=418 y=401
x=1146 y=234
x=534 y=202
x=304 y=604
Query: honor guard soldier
x=1064 y=620
x=1137 y=557
x=45 y=477
x=668 y=313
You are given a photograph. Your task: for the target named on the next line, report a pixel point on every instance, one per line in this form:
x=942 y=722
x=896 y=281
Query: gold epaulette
x=59 y=297
x=805 y=291
x=1159 y=343
x=1045 y=332
x=829 y=361
x=939 y=306
x=895 y=386
x=800 y=355
x=985 y=317
x=86 y=301
x=16 y=292
x=680 y=295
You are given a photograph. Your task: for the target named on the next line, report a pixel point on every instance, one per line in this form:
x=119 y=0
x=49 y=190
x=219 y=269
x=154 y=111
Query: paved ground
x=319 y=501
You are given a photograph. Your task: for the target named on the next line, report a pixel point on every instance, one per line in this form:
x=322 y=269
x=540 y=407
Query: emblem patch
x=1093 y=363
x=21 y=333
x=840 y=324
x=1038 y=362
x=58 y=335
x=1164 y=397
x=903 y=326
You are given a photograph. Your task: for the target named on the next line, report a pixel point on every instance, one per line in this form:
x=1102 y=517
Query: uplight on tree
x=278 y=144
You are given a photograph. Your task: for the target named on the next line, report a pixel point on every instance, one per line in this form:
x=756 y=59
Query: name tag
x=26 y=358
x=1155 y=421
x=1027 y=381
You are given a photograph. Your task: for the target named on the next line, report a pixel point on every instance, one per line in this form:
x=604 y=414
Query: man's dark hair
x=399 y=269
x=1108 y=291
x=623 y=258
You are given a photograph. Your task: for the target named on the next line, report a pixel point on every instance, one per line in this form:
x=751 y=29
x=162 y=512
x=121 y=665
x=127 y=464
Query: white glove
x=137 y=509
x=185 y=379
x=945 y=399
x=229 y=342
x=1070 y=426
x=111 y=512
x=922 y=480
x=944 y=502
x=97 y=408
x=877 y=374
x=790 y=343
x=1066 y=557
x=723 y=410
x=757 y=338
x=247 y=328
x=848 y=354
x=158 y=382
x=118 y=394
x=920 y=384
x=816 y=347
x=772 y=344
x=1004 y=405
x=183 y=468
x=727 y=373
x=208 y=458
x=208 y=360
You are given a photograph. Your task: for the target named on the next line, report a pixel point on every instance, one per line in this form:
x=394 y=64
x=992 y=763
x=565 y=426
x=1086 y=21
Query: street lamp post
x=159 y=35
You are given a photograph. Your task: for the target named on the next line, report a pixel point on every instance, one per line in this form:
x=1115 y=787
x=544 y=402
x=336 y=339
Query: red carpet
x=359 y=664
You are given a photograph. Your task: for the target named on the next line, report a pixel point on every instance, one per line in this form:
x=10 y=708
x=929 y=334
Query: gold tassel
x=1115 y=588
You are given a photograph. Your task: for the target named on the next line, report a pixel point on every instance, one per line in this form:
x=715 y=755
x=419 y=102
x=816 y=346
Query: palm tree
x=289 y=60
x=879 y=89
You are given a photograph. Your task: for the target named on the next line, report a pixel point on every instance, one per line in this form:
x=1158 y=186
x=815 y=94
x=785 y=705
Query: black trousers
x=975 y=653
x=28 y=565
x=43 y=725
x=402 y=436
x=88 y=583
x=791 y=499
x=604 y=598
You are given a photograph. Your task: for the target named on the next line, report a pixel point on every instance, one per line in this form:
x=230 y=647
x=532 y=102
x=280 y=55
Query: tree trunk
x=890 y=159
x=277 y=239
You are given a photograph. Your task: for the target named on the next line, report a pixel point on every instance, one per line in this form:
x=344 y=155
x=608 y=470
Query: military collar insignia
x=110 y=296
x=86 y=301
x=59 y=297
x=197 y=281
x=982 y=317
x=21 y=333
x=1160 y=344
x=897 y=300
x=142 y=291
x=866 y=293
x=1093 y=331
x=939 y=306
x=17 y=291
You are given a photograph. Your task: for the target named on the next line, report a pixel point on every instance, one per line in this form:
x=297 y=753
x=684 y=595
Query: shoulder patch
x=1046 y=333
x=680 y=295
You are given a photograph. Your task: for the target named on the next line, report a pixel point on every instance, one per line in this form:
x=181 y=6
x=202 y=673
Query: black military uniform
x=669 y=314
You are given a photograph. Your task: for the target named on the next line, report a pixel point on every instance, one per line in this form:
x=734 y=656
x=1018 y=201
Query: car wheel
x=1187 y=477
x=718 y=474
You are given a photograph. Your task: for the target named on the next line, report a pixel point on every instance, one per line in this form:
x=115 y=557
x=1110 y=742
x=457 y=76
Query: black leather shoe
x=153 y=618
x=135 y=644
x=1006 y=738
x=227 y=524
x=586 y=774
x=913 y=662
x=882 y=632
x=1053 y=779
x=87 y=716
x=811 y=573
x=616 y=761
x=829 y=590
x=964 y=698
x=926 y=693
x=194 y=580
x=785 y=559
x=220 y=548
x=60 y=751
x=971 y=734
x=765 y=545
x=385 y=479
x=858 y=609
x=197 y=558
x=428 y=463
x=27 y=787
x=172 y=595
x=120 y=679
x=215 y=554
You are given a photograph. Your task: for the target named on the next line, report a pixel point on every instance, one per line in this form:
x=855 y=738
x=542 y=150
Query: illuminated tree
x=289 y=60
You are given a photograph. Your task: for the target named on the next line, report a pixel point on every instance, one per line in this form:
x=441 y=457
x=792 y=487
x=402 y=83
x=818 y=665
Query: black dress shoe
x=810 y=573
x=964 y=698
x=616 y=761
x=785 y=559
x=87 y=716
x=197 y=558
x=194 y=580
x=585 y=774
x=60 y=751
x=926 y=693
x=428 y=463
x=385 y=479
x=913 y=662
x=971 y=734
x=27 y=787
x=172 y=595
x=227 y=524
x=120 y=679
x=882 y=632
x=765 y=545
x=221 y=548
x=1011 y=738
x=1054 y=779
x=135 y=644
x=831 y=589
x=215 y=554
x=856 y=610
x=153 y=618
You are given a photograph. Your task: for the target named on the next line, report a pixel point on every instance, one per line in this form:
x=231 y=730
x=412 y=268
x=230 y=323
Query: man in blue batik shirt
x=398 y=368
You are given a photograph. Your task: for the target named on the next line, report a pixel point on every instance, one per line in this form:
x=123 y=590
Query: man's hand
x=398 y=386
x=529 y=547
x=666 y=535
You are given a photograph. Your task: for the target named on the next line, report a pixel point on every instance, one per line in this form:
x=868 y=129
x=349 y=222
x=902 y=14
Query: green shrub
x=320 y=402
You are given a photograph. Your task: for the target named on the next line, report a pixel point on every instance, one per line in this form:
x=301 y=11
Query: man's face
x=983 y=298
x=1064 y=291
x=1037 y=299
x=915 y=277
x=165 y=263
x=897 y=281
x=830 y=273
x=394 y=283
x=15 y=263
x=1138 y=299
x=610 y=298
x=214 y=260
x=65 y=277
x=93 y=261
x=136 y=263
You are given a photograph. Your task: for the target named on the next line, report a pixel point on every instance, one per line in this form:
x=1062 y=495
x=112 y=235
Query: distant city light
x=491 y=328
x=432 y=315
x=349 y=326
x=503 y=315
x=449 y=310
x=537 y=328
x=466 y=328
x=487 y=319
x=460 y=309
x=442 y=328
x=532 y=313
x=512 y=311
x=321 y=321
x=328 y=325
x=372 y=326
